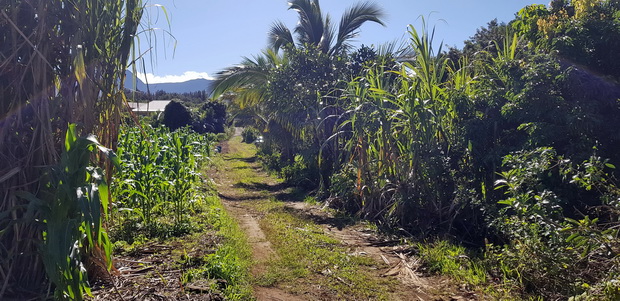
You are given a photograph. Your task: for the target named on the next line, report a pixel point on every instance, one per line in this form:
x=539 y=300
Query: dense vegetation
x=507 y=146
x=156 y=186
x=60 y=64
x=162 y=195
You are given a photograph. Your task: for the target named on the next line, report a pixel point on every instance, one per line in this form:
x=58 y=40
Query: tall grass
x=399 y=129
x=61 y=62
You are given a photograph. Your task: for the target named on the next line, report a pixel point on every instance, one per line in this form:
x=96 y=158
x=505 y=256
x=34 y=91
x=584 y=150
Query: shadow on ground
x=242 y=159
x=258 y=186
x=282 y=192
x=247 y=167
x=240 y=198
x=339 y=222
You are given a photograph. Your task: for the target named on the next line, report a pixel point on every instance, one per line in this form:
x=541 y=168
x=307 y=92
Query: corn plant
x=73 y=208
x=159 y=174
x=400 y=128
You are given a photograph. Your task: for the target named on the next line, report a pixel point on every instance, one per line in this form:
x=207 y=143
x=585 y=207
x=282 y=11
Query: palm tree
x=249 y=78
x=317 y=30
x=249 y=81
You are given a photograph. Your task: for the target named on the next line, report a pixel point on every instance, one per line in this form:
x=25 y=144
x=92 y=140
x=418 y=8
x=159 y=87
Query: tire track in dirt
x=233 y=196
x=261 y=251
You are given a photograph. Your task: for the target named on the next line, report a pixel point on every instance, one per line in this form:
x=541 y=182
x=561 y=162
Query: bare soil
x=152 y=272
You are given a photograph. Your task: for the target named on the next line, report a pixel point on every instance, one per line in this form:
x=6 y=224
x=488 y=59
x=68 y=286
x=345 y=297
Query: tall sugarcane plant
x=399 y=130
x=61 y=62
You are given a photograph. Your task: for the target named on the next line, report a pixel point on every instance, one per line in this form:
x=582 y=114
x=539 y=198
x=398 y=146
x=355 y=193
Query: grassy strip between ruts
x=308 y=257
x=305 y=260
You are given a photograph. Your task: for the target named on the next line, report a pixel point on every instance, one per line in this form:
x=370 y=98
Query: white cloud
x=188 y=75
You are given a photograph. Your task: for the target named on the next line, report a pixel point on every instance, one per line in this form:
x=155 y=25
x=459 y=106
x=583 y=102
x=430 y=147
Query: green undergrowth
x=306 y=255
x=230 y=261
x=214 y=253
x=477 y=272
x=238 y=163
x=447 y=259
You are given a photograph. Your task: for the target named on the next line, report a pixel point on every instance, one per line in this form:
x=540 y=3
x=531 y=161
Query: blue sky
x=214 y=34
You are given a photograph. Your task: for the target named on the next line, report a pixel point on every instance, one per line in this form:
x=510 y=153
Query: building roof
x=153 y=106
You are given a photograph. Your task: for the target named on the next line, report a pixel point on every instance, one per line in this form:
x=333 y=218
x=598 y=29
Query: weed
x=448 y=259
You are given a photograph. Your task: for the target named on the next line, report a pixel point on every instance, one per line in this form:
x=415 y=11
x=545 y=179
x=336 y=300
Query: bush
x=549 y=252
x=210 y=118
x=342 y=189
x=269 y=158
x=249 y=134
x=176 y=116
x=298 y=174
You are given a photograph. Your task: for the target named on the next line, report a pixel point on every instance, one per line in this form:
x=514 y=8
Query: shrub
x=249 y=134
x=549 y=253
x=210 y=118
x=269 y=157
x=298 y=173
x=176 y=116
x=342 y=189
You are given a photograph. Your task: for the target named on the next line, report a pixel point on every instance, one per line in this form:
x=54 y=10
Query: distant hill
x=183 y=87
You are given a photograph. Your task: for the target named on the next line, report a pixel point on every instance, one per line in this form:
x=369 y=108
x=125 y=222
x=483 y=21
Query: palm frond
x=311 y=26
x=280 y=36
x=328 y=36
x=353 y=19
x=249 y=78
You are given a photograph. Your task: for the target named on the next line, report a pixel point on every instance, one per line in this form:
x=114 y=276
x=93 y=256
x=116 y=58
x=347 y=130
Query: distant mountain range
x=182 y=87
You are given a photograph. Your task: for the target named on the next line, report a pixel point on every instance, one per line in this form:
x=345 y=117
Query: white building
x=146 y=108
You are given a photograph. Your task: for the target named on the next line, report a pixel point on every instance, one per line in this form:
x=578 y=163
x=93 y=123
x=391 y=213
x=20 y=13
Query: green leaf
x=104 y=196
x=572 y=237
x=508 y=202
x=79 y=66
x=70 y=136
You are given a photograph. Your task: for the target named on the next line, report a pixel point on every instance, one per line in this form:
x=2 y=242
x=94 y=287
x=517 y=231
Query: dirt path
x=232 y=184
x=233 y=196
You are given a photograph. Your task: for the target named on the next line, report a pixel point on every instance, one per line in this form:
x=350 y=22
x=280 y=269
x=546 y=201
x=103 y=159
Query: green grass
x=305 y=258
x=444 y=258
x=306 y=255
x=216 y=252
x=232 y=258
x=452 y=260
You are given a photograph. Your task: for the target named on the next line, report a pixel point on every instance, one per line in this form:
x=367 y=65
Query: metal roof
x=153 y=106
